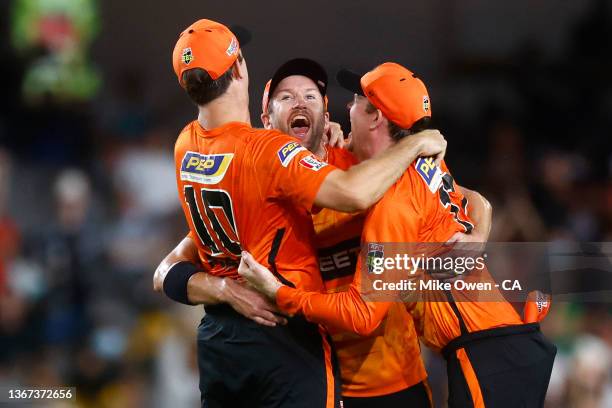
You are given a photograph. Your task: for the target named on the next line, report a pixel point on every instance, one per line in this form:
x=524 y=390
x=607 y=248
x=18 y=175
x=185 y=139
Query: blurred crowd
x=88 y=207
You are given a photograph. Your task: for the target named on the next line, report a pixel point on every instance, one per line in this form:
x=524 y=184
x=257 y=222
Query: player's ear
x=326 y=122
x=377 y=120
x=265 y=119
x=239 y=67
x=236 y=70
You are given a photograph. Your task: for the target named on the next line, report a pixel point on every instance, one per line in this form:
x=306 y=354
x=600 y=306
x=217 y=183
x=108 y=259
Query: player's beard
x=312 y=139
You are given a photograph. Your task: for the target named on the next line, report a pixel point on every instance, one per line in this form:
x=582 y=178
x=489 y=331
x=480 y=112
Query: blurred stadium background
x=90 y=109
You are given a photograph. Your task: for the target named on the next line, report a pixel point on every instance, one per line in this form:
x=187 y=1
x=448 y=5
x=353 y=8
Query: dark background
x=521 y=90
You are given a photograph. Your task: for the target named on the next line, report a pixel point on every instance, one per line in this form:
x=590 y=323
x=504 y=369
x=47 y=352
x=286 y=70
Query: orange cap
x=205 y=44
x=396 y=91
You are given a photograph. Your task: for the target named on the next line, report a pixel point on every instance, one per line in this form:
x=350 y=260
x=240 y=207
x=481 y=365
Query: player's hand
x=334 y=137
x=258 y=276
x=432 y=144
x=251 y=304
x=470 y=245
x=461 y=245
x=474 y=242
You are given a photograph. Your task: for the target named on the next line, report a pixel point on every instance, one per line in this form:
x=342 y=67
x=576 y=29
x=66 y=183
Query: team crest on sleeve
x=205 y=169
x=288 y=152
x=431 y=174
x=312 y=163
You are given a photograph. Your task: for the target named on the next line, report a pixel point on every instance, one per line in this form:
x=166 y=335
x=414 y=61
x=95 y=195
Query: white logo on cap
x=233 y=47
x=426 y=103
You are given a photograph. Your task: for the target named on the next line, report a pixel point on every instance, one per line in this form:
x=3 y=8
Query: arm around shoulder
x=364 y=184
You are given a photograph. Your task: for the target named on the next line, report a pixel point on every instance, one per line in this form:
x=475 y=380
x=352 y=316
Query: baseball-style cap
x=396 y=91
x=266 y=98
x=208 y=45
x=298 y=66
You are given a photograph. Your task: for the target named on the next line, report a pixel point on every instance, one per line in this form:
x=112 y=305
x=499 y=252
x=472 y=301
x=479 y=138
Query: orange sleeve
x=447 y=207
x=346 y=311
x=288 y=169
x=349 y=310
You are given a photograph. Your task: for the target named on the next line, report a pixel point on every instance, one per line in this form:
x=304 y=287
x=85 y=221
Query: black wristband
x=175 y=283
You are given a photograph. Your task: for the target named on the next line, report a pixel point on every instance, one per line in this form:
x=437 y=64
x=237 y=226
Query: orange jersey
x=252 y=189
x=388 y=360
x=337 y=234
x=423 y=206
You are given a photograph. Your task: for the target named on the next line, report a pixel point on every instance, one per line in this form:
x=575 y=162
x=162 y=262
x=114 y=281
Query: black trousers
x=244 y=364
x=412 y=397
x=506 y=367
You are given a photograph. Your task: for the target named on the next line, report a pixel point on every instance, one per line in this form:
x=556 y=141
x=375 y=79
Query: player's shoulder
x=341 y=158
x=419 y=183
x=402 y=204
x=425 y=175
x=186 y=138
x=270 y=142
x=270 y=137
x=395 y=200
x=237 y=133
x=388 y=216
x=187 y=131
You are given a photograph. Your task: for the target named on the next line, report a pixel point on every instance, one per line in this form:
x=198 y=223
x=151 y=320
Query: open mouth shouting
x=299 y=124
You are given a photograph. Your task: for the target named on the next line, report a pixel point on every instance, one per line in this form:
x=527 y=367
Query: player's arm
x=365 y=183
x=185 y=251
x=346 y=310
x=284 y=169
x=206 y=289
x=481 y=212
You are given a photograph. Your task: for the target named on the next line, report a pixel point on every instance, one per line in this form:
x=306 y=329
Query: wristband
x=175 y=283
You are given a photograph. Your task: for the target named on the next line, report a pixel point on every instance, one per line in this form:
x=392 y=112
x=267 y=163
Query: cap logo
x=426 y=103
x=187 y=57
x=232 y=48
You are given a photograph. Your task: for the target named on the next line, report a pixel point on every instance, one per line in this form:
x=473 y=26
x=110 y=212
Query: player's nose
x=299 y=101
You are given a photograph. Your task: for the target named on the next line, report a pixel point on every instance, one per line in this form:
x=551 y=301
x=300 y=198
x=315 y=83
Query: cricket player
x=251 y=189
x=384 y=368
x=493 y=358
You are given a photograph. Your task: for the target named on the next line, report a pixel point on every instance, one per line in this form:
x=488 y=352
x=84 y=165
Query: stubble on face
x=297 y=109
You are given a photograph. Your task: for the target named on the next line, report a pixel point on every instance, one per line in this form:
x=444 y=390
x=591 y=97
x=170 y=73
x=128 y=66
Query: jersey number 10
x=218 y=215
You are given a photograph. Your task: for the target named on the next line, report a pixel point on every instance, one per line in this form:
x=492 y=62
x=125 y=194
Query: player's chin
x=303 y=137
